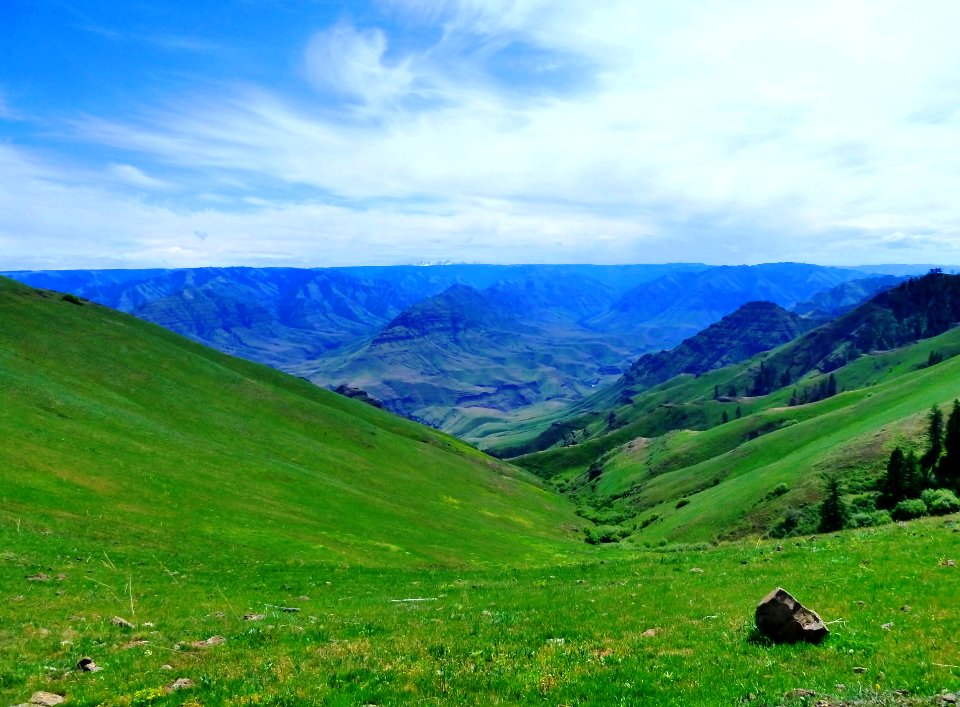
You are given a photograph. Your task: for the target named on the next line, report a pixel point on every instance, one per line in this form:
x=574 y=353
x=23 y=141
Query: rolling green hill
x=680 y=462
x=117 y=431
x=270 y=543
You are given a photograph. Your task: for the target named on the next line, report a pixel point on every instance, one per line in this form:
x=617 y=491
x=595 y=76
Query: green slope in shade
x=117 y=432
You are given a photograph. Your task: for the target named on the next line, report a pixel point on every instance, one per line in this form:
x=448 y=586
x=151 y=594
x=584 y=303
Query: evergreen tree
x=893 y=487
x=833 y=512
x=914 y=479
x=948 y=472
x=934 y=438
x=612 y=420
x=724 y=418
x=831 y=386
x=716 y=392
x=739 y=414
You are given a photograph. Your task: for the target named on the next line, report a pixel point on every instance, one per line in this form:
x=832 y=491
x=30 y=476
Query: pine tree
x=739 y=414
x=724 y=418
x=948 y=472
x=914 y=480
x=893 y=487
x=831 y=386
x=935 y=440
x=716 y=392
x=833 y=512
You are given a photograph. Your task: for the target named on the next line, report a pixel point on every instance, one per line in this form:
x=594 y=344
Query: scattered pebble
x=166 y=666
x=290 y=609
x=949 y=698
x=212 y=641
x=47 y=699
x=887 y=626
x=122 y=623
x=556 y=641
x=905 y=608
x=859 y=669
x=951 y=563
x=86 y=665
x=800 y=692
x=253 y=617
x=303 y=597
x=649 y=633
x=696 y=570
x=38 y=577
x=179 y=684
x=860 y=602
x=134 y=644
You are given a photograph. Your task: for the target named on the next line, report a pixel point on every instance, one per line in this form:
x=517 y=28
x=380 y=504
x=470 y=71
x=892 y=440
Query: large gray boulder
x=783 y=619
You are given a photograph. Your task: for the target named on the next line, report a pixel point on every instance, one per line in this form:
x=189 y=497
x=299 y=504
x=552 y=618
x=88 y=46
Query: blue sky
x=270 y=132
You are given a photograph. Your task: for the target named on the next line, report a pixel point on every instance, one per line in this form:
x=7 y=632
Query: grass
x=152 y=479
x=722 y=474
x=572 y=633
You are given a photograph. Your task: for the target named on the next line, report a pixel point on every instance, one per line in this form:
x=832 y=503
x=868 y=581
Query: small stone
x=860 y=602
x=799 y=692
x=166 y=666
x=290 y=609
x=134 y=644
x=38 y=577
x=179 y=684
x=212 y=641
x=783 y=619
x=649 y=633
x=696 y=570
x=19 y=597
x=122 y=623
x=253 y=617
x=840 y=686
x=47 y=699
x=859 y=670
x=147 y=624
x=951 y=563
x=303 y=597
x=949 y=698
x=905 y=608
x=86 y=665
x=887 y=626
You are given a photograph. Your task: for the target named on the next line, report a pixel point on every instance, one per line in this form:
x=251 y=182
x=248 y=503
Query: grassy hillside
x=672 y=627
x=119 y=434
x=676 y=472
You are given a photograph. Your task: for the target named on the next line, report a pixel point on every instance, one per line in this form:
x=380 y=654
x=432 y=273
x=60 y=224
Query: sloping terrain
x=680 y=463
x=119 y=433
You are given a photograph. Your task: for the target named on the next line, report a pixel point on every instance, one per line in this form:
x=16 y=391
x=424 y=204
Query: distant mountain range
x=460 y=347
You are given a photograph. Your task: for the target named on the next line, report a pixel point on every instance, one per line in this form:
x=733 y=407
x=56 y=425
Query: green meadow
x=273 y=544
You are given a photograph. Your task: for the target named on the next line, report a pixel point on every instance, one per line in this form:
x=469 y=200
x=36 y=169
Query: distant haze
x=173 y=134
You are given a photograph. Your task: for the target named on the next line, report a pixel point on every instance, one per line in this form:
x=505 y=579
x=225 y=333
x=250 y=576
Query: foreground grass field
x=619 y=627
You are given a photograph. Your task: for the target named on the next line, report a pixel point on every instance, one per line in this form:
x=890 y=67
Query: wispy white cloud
x=739 y=130
x=352 y=62
x=128 y=174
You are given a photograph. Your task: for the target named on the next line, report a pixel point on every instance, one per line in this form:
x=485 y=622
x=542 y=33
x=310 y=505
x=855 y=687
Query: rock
x=178 y=684
x=38 y=577
x=696 y=570
x=783 y=619
x=859 y=670
x=290 y=609
x=166 y=666
x=799 y=692
x=951 y=563
x=887 y=626
x=304 y=597
x=254 y=617
x=48 y=699
x=905 y=608
x=122 y=623
x=87 y=665
x=212 y=641
x=860 y=602
x=134 y=644
x=649 y=633
x=948 y=698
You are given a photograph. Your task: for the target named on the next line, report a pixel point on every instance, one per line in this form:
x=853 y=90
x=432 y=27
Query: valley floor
x=617 y=626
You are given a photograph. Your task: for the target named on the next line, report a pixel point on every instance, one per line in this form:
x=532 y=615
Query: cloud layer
x=531 y=131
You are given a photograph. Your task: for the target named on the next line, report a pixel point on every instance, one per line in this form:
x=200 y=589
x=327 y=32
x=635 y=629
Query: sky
x=314 y=133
